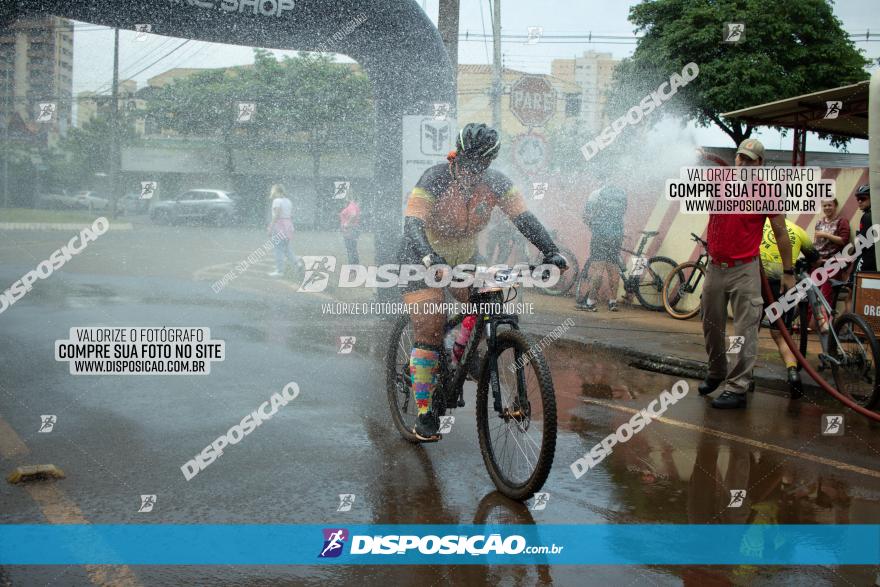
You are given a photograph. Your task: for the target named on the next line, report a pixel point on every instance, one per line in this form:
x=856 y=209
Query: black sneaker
x=586 y=307
x=795 y=386
x=612 y=306
x=708 y=385
x=426 y=427
x=729 y=401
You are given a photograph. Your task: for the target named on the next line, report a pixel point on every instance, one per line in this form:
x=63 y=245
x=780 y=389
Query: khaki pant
x=741 y=287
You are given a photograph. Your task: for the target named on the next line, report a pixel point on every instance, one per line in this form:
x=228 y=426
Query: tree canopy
x=789 y=48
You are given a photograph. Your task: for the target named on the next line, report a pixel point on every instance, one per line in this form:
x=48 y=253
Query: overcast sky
x=93 y=49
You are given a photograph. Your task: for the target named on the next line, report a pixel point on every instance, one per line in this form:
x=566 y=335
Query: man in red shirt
x=733 y=276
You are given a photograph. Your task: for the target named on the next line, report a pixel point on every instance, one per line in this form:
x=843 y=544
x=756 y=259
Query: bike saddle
x=650 y=232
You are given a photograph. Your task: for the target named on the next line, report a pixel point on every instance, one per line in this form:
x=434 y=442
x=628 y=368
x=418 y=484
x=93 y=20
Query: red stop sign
x=533 y=100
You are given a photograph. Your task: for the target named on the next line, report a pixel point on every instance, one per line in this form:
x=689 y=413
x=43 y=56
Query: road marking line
x=58 y=509
x=744 y=440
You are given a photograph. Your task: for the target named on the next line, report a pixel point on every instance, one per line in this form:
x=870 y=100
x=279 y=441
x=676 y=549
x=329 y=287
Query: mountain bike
x=681 y=289
x=645 y=281
x=515 y=400
x=848 y=345
x=504 y=240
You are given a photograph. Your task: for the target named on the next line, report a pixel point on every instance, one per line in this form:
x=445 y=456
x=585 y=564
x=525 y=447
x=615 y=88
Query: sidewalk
x=651 y=340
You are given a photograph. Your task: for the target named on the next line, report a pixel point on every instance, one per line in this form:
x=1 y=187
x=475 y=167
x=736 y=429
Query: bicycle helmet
x=863 y=191
x=477 y=145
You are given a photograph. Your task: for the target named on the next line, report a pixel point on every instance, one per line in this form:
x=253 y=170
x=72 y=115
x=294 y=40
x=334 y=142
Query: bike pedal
x=460 y=403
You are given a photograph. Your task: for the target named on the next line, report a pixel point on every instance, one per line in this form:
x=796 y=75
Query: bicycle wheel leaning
x=397 y=380
x=856 y=360
x=649 y=285
x=682 y=291
x=566 y=279
x=516 y=416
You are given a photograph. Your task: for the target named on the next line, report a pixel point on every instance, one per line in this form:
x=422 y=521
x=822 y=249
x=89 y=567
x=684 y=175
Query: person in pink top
x=350 y=224
x=281 y=230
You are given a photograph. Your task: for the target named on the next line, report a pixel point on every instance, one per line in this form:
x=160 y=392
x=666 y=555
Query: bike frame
x=487 y=326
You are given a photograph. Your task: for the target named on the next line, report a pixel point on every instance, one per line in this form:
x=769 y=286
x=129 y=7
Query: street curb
x=689 y=368
x=57 y=226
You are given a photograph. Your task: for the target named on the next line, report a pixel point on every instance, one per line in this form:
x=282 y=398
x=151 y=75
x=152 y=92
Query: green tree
x=790 y=47
x=85 y=151
x=306 y=102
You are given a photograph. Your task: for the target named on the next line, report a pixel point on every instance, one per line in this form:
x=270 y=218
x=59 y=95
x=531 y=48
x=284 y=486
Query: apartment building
x=592 y=73
x=36 y=67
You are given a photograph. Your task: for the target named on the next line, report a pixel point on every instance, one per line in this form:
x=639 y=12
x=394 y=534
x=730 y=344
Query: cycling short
x=605 y=250
x=787 y=317
x=406 y=256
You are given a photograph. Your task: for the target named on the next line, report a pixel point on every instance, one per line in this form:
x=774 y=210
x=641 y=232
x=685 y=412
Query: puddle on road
x=669 y=474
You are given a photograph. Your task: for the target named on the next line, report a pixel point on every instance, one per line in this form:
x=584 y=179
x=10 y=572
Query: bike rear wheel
x=682 y=291
x=856 y=360
x=649 y=285
x=516 y=416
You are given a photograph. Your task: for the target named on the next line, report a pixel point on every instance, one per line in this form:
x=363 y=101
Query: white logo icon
x=540 y=501
x=833 y=108
x=737 y=498
x=446 y=423
x=47 y=423
x=148 y=188
x=147 y=503
x=539 y=190
x=340 y=189
x=535 y=33
x=346 y=500
x=246 y=111
x=734 y=32
x=47 y=111
x=832 y=424
x=142 y=31
x=346 y=344
x=735 y=344
x=441 y=110
x=318 y=270
x=639 y=265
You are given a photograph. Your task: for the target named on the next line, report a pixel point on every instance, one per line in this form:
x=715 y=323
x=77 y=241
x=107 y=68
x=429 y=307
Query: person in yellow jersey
x=771 y=261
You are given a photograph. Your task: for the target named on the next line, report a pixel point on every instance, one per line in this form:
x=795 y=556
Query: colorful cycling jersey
x=452 y=220
x=770 y=257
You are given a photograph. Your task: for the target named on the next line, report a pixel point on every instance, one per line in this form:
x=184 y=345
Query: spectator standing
x=734 y=276
x=867 y=261
x=832 y=234
x=603 y=213
x=350 y=225
x=281 y=230
x=771 y=261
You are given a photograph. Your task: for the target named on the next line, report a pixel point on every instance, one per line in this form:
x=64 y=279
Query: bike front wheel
x=682 y=291
x=516 y=416
x=856 y=360
x=649 y=285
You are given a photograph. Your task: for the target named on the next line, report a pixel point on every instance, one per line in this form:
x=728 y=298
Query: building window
x=572 y=105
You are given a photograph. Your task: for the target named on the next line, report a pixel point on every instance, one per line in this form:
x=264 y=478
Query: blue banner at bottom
x=661 y=544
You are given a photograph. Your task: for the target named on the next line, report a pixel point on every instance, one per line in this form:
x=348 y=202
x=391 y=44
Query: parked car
x=90 y=200
x=55 y=200
x=132 y=203
x=200 y=205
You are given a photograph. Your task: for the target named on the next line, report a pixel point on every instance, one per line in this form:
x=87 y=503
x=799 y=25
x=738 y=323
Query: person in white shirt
x=281 y=230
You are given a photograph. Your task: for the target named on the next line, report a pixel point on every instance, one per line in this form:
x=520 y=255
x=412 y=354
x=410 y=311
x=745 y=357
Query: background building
x=592 y=73
x=36 y=65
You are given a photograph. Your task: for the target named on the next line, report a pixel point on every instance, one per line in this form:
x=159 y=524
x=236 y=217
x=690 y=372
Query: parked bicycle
x=681 y=290
x=515 y=400
x=505 y=242
x=645 y=280
x=848 y=345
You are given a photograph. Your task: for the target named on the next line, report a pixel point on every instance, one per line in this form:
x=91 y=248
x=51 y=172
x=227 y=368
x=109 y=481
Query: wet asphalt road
x=118 y=437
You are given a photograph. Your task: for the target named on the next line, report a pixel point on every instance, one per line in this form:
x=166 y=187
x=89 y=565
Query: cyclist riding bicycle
x=445 y=212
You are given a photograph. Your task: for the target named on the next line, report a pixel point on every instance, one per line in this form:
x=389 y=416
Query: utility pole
x=114 y=128
x=7 y=148
x=497 y=87
x=447 y=24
